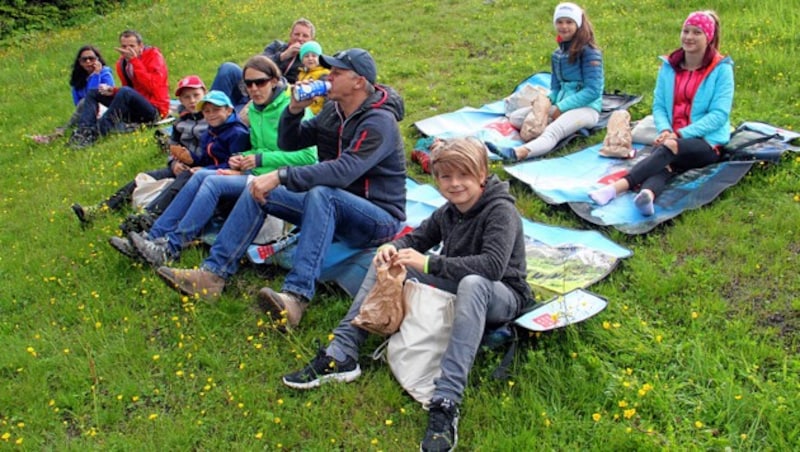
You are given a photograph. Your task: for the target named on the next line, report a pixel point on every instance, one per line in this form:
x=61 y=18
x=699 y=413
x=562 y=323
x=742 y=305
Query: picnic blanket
x=490 y=124
x=570 y=178
x=559 y=259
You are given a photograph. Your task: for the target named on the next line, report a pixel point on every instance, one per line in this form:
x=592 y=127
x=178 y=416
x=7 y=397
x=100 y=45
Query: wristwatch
x=283 y=175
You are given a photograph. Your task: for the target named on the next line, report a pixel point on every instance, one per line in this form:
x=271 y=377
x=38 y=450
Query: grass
x=697 y=350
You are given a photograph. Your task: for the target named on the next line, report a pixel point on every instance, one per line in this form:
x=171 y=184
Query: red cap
x=190 y=81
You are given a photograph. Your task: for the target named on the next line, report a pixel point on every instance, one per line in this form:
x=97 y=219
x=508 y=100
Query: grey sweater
x=487 y=240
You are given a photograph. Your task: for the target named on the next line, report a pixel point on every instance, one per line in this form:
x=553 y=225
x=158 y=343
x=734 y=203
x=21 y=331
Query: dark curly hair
x=79 y=78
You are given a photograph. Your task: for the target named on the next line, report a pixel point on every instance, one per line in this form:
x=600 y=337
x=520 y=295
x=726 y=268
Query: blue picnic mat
x=559 y=259
x=570 y=178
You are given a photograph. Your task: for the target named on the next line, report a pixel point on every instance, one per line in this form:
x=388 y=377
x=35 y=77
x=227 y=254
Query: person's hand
x=556 y=113
x=664 y=136
x=291 y=51
x=178 y=167
x=105 y=90
x=98 y=66
x=262 y=185
x=247 y=163
x=384 y=255
x=410 y=257
x=128 y=53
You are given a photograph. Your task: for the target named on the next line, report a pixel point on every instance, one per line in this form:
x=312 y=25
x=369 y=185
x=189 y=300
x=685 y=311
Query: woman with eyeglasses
x=192 y=209
x=89 y=70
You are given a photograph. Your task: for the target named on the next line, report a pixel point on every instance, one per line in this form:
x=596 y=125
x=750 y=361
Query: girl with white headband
x=691 y=108
x=576 y=85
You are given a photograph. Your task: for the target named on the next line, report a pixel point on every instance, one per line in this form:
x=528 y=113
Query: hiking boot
x=154 y=252
x=323 y=369
x=83 y=137
x=195 y=283
x=282 y=305
x=442 y=432
x=137 y=222
x=124 y=246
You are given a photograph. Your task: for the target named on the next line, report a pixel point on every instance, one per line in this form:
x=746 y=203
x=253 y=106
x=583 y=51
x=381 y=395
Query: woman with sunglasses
x=89 y=70
x=187 y=215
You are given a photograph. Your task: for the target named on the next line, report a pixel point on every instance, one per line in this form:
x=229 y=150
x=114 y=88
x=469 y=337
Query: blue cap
x=310 y=46
x=356 y=60
x=217 y=98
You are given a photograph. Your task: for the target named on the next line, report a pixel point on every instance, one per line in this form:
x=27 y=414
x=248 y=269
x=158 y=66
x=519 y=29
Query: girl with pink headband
x=691 y=109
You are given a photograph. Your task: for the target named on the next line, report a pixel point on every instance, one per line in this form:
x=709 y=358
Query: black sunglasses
x=88 y=58
x=259 y=82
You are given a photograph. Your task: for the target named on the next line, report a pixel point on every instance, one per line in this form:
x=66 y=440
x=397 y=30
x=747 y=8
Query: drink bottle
x=307 y=91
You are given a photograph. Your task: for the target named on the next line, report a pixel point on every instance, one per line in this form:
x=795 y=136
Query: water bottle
x=307 y=91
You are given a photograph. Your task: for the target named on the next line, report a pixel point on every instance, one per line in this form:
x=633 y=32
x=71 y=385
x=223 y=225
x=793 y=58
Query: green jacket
x=264 y=137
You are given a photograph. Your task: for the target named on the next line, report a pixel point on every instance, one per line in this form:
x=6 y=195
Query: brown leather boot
x=195 y=283
x=282 y=305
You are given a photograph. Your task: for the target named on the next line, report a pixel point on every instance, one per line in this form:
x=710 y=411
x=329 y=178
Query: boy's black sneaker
x=323 y=369
x=442 y=433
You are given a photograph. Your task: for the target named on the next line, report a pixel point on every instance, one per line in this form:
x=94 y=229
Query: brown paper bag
x=382 y=310
x=619 y=141
x=536 y=121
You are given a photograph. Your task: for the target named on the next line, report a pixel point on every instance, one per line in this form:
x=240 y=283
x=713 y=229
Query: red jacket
x=150 y=78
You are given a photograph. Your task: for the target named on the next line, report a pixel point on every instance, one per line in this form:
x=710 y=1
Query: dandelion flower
x=698 y=424
x=629 y=413
x=152 y=417
x=259 y=435
x=596 y=417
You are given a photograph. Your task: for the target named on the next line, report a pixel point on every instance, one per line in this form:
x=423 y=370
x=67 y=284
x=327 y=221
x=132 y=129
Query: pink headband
x=702 y=21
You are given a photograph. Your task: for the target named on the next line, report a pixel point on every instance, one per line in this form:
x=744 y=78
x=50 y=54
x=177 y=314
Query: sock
x=604 y=195
x=644 y=202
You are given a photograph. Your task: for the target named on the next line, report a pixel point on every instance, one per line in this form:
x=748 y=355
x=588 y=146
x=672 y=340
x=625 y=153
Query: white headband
x=569 y=11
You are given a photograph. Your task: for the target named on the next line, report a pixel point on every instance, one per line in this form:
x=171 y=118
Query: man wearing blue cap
x=355 y=194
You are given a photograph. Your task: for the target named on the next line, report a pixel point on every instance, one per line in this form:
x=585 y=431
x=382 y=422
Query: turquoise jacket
x=578 y=84
x=711 y=106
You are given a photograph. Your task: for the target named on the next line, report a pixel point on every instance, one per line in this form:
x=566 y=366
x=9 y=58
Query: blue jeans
x=479 y=302
x=127 y=105
x=229 y=81
x=331 y=212
x=190 y=211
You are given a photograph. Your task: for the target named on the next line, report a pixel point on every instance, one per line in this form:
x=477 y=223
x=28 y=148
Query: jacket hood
x=385 y=97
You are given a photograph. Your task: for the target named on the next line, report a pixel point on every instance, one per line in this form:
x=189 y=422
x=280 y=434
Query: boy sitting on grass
x=482 y=262
x=187 y=133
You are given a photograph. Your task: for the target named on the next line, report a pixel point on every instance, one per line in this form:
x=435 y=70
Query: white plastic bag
x=147 y=189
x=645 y=131
x=415 y=352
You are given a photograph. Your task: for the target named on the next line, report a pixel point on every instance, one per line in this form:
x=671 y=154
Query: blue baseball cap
x=215 y=97
x=356 y=60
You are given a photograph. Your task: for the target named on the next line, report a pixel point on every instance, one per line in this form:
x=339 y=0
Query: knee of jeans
x=474 y=284
x=320 y=193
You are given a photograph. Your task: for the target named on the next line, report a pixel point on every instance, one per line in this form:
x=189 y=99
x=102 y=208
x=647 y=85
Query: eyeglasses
x=259 y=82
x=87 y=59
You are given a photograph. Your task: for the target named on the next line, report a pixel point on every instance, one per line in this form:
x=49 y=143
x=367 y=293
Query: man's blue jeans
x=191 y=210
x=127 y=105
x=322 y=214
x=229 y=81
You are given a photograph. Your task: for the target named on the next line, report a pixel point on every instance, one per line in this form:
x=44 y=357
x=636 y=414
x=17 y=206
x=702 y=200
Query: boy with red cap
x=187 y=134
